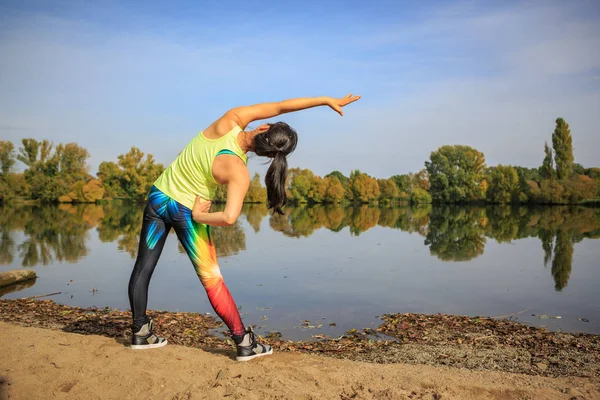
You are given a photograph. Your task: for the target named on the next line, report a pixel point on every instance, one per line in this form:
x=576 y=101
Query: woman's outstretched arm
x=244 y=115
x=247 y=114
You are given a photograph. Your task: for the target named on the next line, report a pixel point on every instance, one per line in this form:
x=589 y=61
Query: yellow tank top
x=191 y=172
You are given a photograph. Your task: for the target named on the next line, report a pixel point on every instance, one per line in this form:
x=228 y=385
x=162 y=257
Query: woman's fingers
x=349 y=99
x=202 y=205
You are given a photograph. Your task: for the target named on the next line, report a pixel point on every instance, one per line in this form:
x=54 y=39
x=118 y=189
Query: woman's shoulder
x=223 y=126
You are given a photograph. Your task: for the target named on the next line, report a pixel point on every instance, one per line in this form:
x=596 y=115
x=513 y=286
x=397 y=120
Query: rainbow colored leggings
x=160 y=215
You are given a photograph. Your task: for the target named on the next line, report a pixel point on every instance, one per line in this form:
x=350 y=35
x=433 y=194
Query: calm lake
x=337 y=268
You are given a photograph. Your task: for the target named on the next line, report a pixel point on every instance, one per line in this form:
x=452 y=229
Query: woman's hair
x=276 y=143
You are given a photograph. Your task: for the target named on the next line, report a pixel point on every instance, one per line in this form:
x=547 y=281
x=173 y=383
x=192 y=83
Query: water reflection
x=59 y=233
x=17 y=287
x=456 y=234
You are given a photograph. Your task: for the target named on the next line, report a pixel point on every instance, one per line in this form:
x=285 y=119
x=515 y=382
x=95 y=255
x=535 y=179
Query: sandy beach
x=42 y=364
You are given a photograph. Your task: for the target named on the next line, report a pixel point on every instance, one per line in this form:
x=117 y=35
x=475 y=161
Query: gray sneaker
x=144 y=338
x=248 y=348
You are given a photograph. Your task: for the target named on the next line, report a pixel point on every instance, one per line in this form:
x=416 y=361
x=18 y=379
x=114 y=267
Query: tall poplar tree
x=563 y=149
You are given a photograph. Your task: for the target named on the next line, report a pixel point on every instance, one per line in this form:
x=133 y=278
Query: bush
x=420 y=196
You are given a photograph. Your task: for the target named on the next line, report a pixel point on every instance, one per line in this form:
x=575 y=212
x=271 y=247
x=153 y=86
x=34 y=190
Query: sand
x=48 y=364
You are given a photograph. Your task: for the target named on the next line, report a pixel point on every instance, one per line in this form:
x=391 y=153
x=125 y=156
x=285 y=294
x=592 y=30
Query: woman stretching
x=180 y=197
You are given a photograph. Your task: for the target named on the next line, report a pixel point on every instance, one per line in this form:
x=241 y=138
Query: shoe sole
x=248 y=358
x=148 y=346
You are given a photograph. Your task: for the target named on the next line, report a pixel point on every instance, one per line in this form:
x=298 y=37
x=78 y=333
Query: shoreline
x=592 y=203
x=474 y=343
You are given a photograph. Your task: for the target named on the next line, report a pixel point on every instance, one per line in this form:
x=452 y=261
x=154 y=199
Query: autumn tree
x=339 y=176
x=456 y=174
x=388 y=189
x=335 y=192
x=563 y=149
x=305 y=186
x=362 y=187
x=257 y=193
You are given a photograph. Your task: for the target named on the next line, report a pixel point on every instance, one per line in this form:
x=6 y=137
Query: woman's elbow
x=230 y=219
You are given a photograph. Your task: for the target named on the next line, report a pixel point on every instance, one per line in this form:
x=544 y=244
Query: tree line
x=458 y=174
x=453 y=174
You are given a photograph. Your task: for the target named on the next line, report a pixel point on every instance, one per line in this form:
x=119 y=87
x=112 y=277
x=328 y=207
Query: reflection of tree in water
x=335 y=218
x=299 y=221
x=7 y=246
x=547 y=238
x=559 y=228
x=452 y=233
x=122 y=222
x=413 y=219
x=363 y=218
x=254 y=214
x=563 y=259
x=303 y=221
x=456 y=233
x=502 y=223
x=51 y=233
x=228 y=240
x=388 y=216
x=11 y=219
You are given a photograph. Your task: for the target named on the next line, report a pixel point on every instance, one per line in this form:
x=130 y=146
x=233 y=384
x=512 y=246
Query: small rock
x=542 y=366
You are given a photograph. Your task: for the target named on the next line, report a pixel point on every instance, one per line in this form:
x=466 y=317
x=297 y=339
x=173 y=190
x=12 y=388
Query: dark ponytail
x=276 y=143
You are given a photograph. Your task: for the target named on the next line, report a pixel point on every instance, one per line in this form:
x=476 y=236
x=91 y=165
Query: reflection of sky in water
x=338 y=277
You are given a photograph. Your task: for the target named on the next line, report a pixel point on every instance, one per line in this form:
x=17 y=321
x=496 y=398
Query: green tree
x=138 y=174
x=456 y=174
x=547 y=168
x=42 y=173
x=109 y=174
x=420 y=196
x=72 y=162
x=402 y=182
x=503 y=185
x=563 y=149
x=7 y=157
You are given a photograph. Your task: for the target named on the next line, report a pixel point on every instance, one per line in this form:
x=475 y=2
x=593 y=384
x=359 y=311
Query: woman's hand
x=337 y=104
x=201 y=206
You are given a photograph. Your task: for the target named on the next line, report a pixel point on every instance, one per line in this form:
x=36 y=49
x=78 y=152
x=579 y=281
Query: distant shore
x=586 y=203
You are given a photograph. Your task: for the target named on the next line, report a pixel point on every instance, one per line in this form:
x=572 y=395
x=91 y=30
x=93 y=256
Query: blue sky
x=493 y=75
